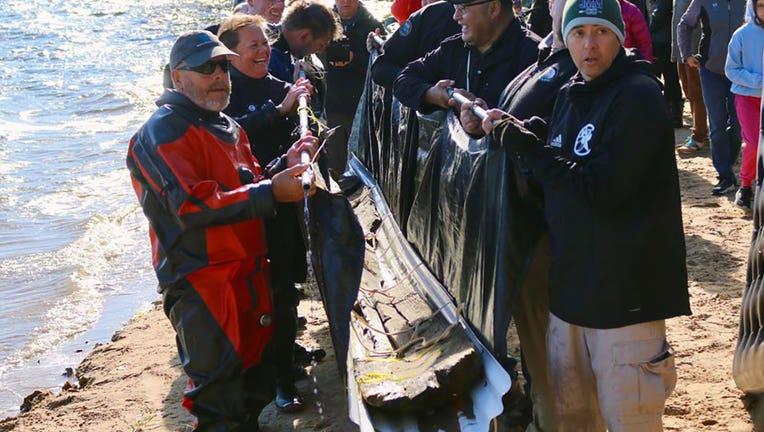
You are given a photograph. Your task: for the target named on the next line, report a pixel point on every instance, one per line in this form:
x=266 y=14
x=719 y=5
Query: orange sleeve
x=401 y=9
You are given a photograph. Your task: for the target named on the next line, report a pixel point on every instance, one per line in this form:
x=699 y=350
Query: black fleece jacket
x=611 y=199
x=253 y=106
x=486 y=75
x=421 y=33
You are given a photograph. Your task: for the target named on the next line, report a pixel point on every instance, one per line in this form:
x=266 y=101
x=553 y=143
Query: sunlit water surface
x=77 y=78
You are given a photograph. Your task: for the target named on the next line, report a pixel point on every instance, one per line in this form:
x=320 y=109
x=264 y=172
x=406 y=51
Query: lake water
x=77 y=78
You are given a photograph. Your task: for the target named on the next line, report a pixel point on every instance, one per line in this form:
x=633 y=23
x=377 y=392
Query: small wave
x=103 y=192
x=13 y=131
x=90 y=263
x=105 y=14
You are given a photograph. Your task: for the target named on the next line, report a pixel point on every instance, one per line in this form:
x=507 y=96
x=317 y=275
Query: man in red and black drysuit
x=205 y=195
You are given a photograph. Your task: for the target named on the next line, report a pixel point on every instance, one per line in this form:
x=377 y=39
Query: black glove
x=515 y=134
x=537 y=126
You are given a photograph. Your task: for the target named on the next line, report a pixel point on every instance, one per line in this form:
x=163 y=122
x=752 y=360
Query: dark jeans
x=722 y=120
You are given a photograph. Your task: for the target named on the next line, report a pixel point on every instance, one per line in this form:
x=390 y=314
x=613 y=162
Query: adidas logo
x=557 y=141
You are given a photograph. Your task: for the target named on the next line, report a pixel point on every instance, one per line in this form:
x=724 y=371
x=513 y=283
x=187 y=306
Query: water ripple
x=74 y=249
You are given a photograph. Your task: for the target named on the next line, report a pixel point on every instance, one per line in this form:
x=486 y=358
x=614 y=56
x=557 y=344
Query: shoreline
x=135 y=382
x=47 y=371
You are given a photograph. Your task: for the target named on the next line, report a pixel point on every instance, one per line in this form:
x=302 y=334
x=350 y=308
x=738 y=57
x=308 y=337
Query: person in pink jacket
x=637 y=34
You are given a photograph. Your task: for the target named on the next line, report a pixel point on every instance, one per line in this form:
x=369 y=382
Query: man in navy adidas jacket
x=612 y=204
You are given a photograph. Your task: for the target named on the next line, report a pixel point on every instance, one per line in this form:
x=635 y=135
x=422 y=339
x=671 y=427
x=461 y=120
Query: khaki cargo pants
x=617 y=379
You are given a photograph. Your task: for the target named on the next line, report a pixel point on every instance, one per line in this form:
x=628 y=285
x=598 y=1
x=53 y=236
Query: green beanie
x=603 y=12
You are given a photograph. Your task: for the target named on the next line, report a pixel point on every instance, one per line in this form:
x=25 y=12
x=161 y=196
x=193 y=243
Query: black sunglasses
x=207 y=68
x=463 y=7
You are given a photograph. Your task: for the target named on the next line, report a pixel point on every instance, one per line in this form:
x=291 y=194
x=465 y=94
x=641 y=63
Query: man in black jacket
x=612 y=205
x=421 y=33
x=492 y=49
x=347 y=60
x=533 y=93
x=307 y=27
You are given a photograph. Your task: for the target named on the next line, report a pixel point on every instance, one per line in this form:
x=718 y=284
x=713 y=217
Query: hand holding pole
x=302 y=110
x=374 y=42
x=378 y=40
x=460 y=99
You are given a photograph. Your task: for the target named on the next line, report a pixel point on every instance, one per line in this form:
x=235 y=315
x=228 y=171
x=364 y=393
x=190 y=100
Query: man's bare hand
x=491 y=116
x=371 y=44
x=467 y=95
x=469 y=121
x=307 y=143
x=287 y=185
x=437 y=94
x=693 y=62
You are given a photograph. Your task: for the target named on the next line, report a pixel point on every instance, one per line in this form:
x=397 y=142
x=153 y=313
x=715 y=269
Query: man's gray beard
x=213 y=105
x=199 y=98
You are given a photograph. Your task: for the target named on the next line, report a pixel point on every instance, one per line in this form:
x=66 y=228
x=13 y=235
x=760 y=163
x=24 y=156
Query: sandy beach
x=134 y=382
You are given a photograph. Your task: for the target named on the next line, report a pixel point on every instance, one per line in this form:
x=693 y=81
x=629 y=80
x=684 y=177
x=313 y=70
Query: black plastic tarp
x=337 y=252
x=458 y=202
x=384 y=138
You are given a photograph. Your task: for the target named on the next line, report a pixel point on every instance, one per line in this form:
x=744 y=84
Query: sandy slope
x=134 y=383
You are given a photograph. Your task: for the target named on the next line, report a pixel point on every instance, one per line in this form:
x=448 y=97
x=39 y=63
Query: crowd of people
x=572 y=90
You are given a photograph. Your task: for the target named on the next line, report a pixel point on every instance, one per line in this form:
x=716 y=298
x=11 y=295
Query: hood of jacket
x=750 y=13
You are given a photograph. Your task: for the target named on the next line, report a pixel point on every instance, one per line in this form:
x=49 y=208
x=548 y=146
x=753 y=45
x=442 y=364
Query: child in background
x=744 y=69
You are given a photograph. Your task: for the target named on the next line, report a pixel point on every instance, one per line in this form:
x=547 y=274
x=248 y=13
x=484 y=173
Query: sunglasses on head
x=207 y=68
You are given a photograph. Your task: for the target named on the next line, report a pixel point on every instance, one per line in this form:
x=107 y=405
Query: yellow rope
x=379 y=377
x=313 y=117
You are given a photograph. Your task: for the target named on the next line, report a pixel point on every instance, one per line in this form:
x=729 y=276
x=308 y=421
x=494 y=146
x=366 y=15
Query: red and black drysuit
x=204 y=195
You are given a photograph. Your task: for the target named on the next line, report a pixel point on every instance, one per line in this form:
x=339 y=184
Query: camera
x=338 y=51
